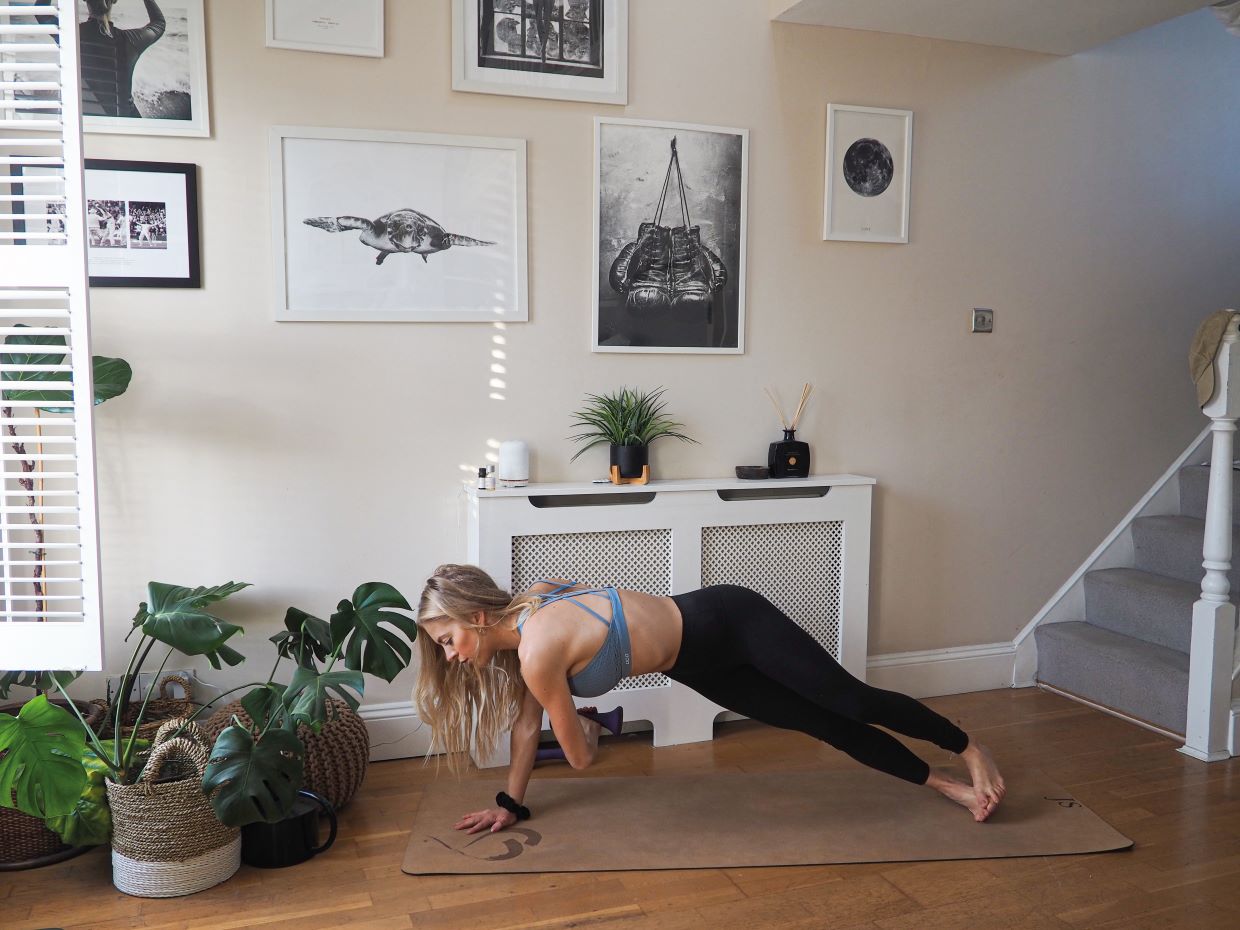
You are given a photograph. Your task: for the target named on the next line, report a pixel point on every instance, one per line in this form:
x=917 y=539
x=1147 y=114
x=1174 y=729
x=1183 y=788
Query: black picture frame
x=186 y=207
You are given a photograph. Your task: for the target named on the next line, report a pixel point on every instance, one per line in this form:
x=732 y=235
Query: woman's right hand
x=494 y=820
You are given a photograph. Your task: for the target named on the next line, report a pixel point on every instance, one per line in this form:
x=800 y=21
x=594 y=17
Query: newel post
x=1212 y=649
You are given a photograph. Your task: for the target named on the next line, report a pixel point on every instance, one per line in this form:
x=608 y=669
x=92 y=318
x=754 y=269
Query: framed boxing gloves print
x=669 y=237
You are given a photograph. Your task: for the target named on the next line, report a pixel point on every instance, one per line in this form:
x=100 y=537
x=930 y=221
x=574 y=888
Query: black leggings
x=740 y=651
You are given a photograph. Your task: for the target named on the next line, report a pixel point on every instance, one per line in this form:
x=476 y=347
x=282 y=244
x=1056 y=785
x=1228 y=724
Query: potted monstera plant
x=628 y=421
x=53 y=763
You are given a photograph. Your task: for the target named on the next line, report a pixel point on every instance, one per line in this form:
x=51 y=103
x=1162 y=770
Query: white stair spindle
x=1212 y=646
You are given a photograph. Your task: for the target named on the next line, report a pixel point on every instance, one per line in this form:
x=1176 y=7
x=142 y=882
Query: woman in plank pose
x=493 y=662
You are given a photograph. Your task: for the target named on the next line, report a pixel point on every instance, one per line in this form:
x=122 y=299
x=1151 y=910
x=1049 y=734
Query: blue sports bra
x=614 y=659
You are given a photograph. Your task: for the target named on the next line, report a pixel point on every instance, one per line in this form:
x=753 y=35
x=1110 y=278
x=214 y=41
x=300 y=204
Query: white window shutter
x=49 y=542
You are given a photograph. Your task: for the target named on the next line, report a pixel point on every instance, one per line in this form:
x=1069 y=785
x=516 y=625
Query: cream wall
x=1093 y=202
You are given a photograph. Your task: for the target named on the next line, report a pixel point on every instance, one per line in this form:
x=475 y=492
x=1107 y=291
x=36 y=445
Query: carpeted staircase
x=1130 y=651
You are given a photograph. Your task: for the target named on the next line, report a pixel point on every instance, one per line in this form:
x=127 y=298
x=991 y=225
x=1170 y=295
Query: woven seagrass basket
x=336 y=757
x=166 y=839
x=164 y=707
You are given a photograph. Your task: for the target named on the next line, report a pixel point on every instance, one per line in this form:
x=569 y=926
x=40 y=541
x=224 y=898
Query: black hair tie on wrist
x=508 y=804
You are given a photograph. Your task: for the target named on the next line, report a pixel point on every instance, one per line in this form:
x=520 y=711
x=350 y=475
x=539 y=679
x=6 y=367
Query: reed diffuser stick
x=774 y=403
x=805 y=392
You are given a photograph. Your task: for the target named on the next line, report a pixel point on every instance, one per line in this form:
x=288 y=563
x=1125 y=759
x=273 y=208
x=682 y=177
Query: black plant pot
x=630 y=459
x=292 y=840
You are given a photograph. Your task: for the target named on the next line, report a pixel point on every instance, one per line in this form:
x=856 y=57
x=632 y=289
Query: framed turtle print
x=868 y=168
x=397 y=226
x=559 y=49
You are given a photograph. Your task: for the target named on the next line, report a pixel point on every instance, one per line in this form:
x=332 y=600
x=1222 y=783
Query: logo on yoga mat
x=511 y=847
x=1064 y=802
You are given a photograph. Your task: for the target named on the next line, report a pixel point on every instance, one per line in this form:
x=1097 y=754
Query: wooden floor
x=1183 y=872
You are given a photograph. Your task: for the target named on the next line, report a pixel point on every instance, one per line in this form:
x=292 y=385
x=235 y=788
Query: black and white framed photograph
x=141 y=221
x=559 y=49
x=868 y=173
x=337 y=27
x=669 y=237
x=143 y=66
x=397 y=226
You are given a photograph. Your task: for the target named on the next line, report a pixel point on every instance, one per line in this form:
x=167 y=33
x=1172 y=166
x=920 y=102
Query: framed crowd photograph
x=868 y=173
x=669 y=237
x=559 y=49
x=338 y=27
x=397 y=226
x=141 y=221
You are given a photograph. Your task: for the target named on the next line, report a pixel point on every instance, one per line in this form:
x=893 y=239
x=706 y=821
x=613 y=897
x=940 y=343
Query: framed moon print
x=868 y=167
x=560 y=49
x=373 y=226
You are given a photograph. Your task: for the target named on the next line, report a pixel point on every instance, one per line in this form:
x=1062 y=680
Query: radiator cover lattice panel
x=798 y=567
x=640 y=560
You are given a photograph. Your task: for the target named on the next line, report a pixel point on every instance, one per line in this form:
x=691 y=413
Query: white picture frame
x=868 y=169
x=335 y=27
x=169 y=77
x=633 y=166
x=347 y=243
x=590 y=41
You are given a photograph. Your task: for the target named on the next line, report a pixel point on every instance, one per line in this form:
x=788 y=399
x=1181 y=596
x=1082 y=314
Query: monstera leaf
x=41 y=759
x=249 y=781
x=175 y=617
x=370 y=647
x=90 y=821
x=111 y=376
x=35 y=681
x=262 y=702
x=304 y=639
x=308 y=691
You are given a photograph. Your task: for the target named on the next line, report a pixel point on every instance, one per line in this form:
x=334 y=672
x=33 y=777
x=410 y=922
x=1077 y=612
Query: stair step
x=1171 y=546
x=1141 y=679
x=1194 y=487
x=1145 y=606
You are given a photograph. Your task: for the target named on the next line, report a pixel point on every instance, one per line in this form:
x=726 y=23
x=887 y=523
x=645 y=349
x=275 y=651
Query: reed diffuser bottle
x=789 y=458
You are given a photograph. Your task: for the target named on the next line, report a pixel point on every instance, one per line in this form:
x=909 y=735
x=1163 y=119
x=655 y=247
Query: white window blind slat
x=49 y=558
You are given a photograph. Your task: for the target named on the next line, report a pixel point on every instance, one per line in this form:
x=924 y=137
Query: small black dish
x=752 y=472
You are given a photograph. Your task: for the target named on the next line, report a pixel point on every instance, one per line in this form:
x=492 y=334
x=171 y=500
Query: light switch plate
x=983 y=320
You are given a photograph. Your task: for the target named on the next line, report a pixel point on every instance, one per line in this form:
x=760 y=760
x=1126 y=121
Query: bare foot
x=962 y=794
x=592 y=730
x=983 y=772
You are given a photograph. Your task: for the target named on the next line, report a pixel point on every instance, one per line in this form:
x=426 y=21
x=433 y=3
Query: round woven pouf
x=336 y=757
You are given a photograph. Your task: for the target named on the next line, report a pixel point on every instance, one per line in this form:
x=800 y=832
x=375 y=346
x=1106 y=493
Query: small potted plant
x=628 y=421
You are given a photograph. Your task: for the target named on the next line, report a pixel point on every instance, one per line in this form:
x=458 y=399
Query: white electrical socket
x=146 y=681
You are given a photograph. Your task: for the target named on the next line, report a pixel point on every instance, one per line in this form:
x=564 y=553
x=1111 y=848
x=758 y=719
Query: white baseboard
x=397 y=733
x=934 y=672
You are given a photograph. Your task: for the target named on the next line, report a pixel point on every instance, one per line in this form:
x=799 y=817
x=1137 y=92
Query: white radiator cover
x=803 y=543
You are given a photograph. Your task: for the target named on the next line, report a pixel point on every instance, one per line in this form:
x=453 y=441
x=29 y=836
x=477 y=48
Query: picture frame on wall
x=336 y=27
x=669 y=237
x=497 y=48
x=868 y=174
x=162 y=86
x=141 y=221
x=423 y=227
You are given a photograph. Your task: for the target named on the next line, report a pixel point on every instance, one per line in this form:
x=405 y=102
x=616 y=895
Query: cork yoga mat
x=725 y=820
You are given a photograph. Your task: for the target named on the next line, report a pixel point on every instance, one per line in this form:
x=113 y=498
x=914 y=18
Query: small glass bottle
x=490 y=477
x=482 y=478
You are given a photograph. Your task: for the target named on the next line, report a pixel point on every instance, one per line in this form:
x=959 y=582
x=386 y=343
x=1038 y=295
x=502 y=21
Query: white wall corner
x=779 y=7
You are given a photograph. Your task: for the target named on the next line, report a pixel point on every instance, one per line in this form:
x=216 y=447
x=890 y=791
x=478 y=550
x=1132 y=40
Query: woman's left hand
x=494 y=819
